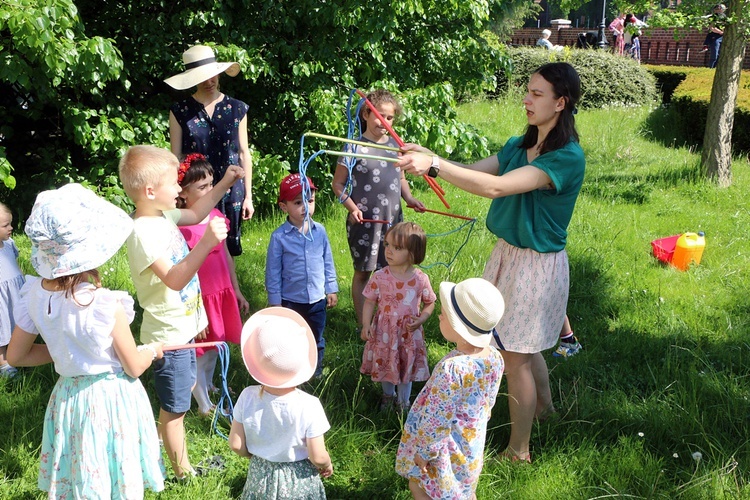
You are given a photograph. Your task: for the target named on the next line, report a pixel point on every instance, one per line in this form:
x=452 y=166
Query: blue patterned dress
x=218 y=138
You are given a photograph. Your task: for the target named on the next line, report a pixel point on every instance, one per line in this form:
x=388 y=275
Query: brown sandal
x=509 y=455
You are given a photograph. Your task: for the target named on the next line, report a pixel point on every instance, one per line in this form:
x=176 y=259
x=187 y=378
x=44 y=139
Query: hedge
x=606 y=79
x=688 y=91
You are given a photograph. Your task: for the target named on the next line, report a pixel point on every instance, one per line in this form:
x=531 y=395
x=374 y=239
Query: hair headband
x=185 y=165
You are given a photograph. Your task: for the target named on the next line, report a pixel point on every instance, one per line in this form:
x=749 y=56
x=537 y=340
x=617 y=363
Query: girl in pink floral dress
x=442 y=446
x=395 y=353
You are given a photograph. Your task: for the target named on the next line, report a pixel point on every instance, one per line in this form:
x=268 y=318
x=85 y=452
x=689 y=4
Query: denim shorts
x=174 y=378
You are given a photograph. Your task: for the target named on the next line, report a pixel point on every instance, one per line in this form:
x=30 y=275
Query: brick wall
x=658 y=45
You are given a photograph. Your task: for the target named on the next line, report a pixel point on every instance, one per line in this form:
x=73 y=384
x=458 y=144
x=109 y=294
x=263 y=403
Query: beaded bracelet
x=148 y=347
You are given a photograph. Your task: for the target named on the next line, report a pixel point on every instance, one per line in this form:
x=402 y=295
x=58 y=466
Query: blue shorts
x=174 y=378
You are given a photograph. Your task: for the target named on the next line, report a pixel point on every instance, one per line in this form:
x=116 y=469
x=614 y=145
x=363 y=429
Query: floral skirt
x=99 y=439
x=282 y=481
x=535 y=289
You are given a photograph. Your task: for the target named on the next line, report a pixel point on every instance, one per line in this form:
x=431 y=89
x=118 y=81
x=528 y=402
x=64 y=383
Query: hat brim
x=473 y=338
x=192 y=77
x=251 y=354
x=103 y=226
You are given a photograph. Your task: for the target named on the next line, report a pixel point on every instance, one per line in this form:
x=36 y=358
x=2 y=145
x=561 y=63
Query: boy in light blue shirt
x=300 y=273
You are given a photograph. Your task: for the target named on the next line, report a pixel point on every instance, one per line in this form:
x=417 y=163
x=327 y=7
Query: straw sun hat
x=73 y=230
x=278 y=348
x=200 y=65
x=473 y=308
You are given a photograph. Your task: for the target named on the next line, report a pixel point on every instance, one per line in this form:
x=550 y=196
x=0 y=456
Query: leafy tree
x=80 y=96
x=716 y=158
x=52 y=82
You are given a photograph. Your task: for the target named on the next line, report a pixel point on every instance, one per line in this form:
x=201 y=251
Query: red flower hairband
x=185 y=165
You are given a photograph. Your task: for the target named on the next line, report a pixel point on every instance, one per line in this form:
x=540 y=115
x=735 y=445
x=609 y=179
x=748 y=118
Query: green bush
x=690 y=98
x=606 y=79
x=667 y=79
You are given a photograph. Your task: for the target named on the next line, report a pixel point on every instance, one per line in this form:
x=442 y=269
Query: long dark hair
x=565 y=83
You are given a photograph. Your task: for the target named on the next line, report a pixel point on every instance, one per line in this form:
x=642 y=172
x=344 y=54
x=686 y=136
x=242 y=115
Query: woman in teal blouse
x=533 y=182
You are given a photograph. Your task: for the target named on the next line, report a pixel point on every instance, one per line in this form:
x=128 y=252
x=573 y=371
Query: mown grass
x=663 y=374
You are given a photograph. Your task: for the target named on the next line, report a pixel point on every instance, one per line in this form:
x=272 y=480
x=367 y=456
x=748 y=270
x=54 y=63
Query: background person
x=11 y=281
x=617 y=26
x=534 y=182
x=215 y=125
x=544 y=41
x=715 y=35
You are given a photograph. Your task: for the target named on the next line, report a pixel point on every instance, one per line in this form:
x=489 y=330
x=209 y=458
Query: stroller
x=587 y=40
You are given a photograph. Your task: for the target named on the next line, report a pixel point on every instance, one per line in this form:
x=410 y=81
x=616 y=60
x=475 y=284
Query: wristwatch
x=434 y=167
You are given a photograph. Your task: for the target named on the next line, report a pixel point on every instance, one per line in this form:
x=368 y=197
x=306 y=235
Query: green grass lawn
x=661 y=380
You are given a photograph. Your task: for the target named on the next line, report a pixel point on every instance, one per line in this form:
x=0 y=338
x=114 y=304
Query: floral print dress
x=393 y=354
x=218 y=138
x=376 y=189
x=448 y=422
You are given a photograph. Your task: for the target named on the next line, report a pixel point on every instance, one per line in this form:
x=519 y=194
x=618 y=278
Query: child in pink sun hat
x=278 y=426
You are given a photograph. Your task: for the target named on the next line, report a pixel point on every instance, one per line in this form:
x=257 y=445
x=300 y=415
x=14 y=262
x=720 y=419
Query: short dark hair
x=412 y=237
x=198 y=169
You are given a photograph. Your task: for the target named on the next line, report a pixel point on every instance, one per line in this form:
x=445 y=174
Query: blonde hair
x=4 y=208
x=412 y=237
x=144 y=165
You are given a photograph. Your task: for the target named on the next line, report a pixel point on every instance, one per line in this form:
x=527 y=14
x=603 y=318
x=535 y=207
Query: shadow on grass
x=633 y=188
x=662 y=126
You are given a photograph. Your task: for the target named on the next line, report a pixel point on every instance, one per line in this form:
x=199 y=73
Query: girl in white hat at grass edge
x=99 y=438
x=442 y=445
x=278 y=426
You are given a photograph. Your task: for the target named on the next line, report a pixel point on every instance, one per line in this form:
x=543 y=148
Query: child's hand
x=355 y=217
x=232 y=175
x=242 y=303
x=365 y=335
x=216 y=231
x=331 y=300
x=202 y=334
x=326 y=471
x=421 y=463
x=413 y=323
x=158 y=348
x=417 y=205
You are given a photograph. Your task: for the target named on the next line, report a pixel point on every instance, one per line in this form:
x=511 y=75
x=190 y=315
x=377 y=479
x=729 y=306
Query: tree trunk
x=716 y=160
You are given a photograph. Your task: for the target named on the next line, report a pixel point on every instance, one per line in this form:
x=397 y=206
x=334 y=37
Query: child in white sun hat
x=278 y=426
x=99 y=438
x=442 y=445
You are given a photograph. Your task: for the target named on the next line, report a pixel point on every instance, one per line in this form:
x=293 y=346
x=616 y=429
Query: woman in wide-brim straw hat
x=215 y=125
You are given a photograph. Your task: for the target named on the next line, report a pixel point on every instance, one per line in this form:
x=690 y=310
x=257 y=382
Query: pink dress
x=618 y=26
x=219 y=300
x=394 y=354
